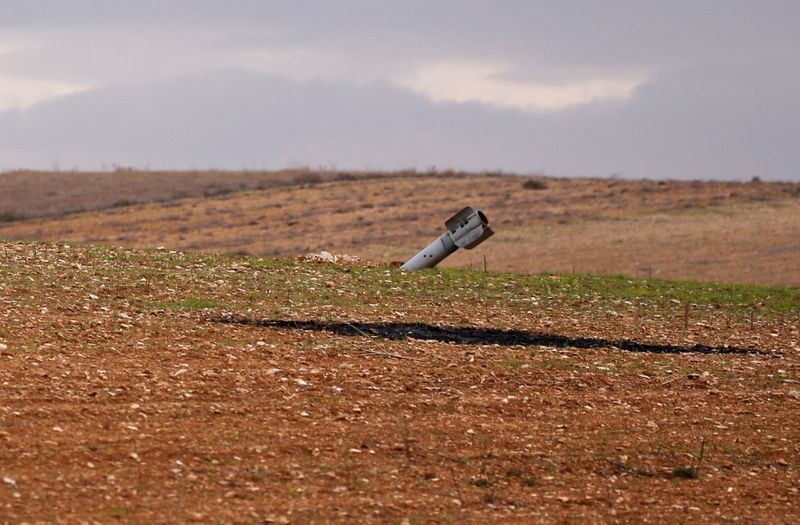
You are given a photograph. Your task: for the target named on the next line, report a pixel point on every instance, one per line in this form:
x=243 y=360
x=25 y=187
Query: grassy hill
x=162 y=386
x=710 y=231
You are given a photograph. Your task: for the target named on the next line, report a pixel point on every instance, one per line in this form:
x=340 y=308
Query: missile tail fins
x=485 y=233
x=453 y=222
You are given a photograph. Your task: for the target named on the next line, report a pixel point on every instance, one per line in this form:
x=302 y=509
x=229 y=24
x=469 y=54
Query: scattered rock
x=328 y=257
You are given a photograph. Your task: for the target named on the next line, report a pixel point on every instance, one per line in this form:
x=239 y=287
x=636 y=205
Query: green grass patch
x=266 y=283
x=192 y=303
x=527 y=291
x=777 y=299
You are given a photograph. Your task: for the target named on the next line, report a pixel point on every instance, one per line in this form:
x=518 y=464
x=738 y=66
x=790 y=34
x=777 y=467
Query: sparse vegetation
x=676 y=230
x=308 y=178
x=207 y=387
x=272 y=384
x=534 y=184
x=21 y=195
x=10 y=217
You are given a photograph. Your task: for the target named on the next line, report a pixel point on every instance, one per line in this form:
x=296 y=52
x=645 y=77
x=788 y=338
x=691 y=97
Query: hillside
x=713 y=231
x=162 y=387
x=25 y=194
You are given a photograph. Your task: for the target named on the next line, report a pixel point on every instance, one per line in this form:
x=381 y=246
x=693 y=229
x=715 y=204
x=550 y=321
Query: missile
x=466 y=229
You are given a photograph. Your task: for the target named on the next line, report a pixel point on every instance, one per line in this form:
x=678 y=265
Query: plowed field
x=164 y=387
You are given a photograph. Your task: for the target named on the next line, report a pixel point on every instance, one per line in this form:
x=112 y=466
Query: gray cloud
x=180 y=84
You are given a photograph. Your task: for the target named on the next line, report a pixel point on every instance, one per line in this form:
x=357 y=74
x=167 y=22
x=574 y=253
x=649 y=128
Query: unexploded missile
x=466 y=229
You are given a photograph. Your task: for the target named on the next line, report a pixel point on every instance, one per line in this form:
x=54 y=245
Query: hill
x=25 y=194
x=159 y=386
x=713 y=231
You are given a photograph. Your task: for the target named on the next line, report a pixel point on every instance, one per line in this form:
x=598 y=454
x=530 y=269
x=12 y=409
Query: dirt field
x=712 y=231
x=27 y=194
x=160 y=387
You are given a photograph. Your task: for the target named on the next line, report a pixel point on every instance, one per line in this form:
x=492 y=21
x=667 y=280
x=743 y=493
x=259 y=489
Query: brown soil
x=276 y=407
x=713 y=231
x=26 y=194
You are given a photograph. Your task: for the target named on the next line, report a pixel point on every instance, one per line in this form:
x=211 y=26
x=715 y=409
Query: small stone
x=3 y=346
x=134 y=456
x=693 y=376
x=301 y=382
x=9 y=481
x=652 y=425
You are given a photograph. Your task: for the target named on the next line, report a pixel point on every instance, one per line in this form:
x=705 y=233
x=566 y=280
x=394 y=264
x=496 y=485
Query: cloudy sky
x=638 y=88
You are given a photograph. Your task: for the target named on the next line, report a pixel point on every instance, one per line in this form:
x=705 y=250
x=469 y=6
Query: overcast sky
x=640 y=89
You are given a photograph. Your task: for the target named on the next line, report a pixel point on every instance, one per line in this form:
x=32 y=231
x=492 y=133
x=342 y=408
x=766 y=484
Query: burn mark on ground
x=481 y=336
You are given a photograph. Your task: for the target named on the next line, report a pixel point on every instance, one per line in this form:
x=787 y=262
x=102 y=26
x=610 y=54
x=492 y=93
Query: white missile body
x=466 y=229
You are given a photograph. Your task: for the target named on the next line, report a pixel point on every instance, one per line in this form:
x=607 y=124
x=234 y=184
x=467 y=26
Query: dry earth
x=161 y=387
x=712 y=231
x=25 y=194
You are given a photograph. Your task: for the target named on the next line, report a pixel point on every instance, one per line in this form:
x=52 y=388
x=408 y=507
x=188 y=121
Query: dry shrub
x=10 y=216
x=307 y=178
x=534 y=184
